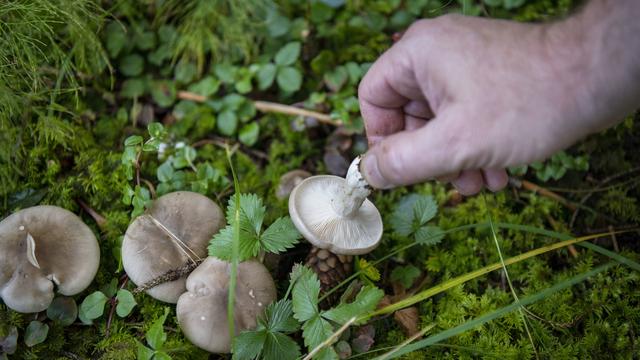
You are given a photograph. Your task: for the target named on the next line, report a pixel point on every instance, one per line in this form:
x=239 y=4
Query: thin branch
x=271 y=107
x=171 y=275
x=99 y=219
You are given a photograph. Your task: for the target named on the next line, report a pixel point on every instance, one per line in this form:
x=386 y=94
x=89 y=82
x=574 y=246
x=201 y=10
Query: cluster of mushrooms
x=45 y=248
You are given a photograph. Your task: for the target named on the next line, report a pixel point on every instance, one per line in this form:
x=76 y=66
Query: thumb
x=408 y=157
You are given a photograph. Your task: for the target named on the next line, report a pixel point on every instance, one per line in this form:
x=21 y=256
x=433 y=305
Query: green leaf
x=315 y=331
x=266 y=75
x=280 y=235
x=133 y=88
x=145 y=40
x=280 y=347
x=164 y=92
x=424 y=209
x=305 y=295
x=289 y=79
x=92 y=306
x=412 y=212
x=222 y=244
x=126 y=303
x=251 y=212
x=279 y=317
x=429 y=235
x=165 y=171
x=368 y=270
x=185 y=72
x=206 y=87
x=288 y=54
x=132 y=65
x=156 y=130
x=366 y=301
x=405 y=275
x=227 y=122
x=225 y=72
x=133 y=140
x=248 y=345
x=63 y=310
x=116 y=38
x=35 y=333
x=336 y=79
x=144 y=353
x=155 y=335
x=249 y=134
x=161 y=355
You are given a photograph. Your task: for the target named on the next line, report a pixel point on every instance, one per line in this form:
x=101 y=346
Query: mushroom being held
x=202 y=310
x=333 y=213
x=174 y=231
x=41 y=248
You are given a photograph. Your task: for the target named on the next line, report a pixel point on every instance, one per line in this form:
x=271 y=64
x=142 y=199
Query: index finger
x=383 y=92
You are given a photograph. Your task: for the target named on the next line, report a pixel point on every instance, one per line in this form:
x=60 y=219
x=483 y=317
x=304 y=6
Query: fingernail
x=372 y=173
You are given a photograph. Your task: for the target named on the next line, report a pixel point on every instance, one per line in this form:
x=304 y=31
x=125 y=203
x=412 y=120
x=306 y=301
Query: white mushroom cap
x=202 y=310
x=333 y=213
x=42 y=247
x=174 y=231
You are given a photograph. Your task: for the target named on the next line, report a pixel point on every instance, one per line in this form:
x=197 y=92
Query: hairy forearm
x=604 y=42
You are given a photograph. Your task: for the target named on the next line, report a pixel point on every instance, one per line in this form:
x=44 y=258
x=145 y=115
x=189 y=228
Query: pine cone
x=331 y=270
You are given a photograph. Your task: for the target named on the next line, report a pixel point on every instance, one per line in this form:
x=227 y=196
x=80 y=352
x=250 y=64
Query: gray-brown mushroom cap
x=173 y=232
x=41 y=248
x=202 y=310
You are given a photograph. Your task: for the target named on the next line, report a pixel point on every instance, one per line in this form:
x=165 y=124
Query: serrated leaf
x=126 y=302
x=280 y=347
x=279 y=317
x=155 y=335
x=35 y=333
x=405 y=275
x=266 y=75
x=315 y=331
x=289 y=79
x=305 y=295
x=288 y=54
x=366 y=300
x=251 y=212
x=429 y=235
x=424 y=209
x=92 y=306
x=248 y=345
x=280 y=236
x=412 y=211
x=222 y=244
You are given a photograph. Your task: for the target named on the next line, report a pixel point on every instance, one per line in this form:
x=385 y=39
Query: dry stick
x=171 y=275
x=330 y=340
x=181 y=245
x=99 y=219
x=152 y=188
x=114 y=301
x=267 y=106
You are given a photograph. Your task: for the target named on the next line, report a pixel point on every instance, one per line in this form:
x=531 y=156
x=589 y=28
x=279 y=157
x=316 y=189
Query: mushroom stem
x=348 y=199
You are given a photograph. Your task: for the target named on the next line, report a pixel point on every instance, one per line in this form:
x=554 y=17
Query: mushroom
x=334 y=213
x=174 y=231
x=41 y=248
x=202 y=310
x=289 y=181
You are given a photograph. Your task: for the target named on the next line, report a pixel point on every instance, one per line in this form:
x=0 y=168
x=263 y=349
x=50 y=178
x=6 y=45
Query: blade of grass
x=506 y=273
x=500 y=312
x=425 y=294
x=235 y=247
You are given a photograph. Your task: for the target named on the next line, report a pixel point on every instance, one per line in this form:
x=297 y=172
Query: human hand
x=459 y=99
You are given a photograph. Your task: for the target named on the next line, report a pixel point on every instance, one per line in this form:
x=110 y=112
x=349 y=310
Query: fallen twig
x=271 y=107
x=171 y=275
x=99 y=219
